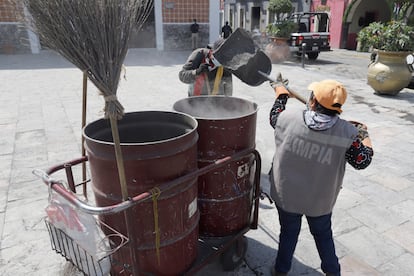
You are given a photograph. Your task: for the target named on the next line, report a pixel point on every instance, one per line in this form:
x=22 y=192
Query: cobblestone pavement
x=40 y=119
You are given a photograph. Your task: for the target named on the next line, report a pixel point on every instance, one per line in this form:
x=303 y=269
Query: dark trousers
x=320 y=228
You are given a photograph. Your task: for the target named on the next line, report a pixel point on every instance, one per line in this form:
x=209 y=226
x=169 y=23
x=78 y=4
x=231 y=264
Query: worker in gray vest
x=313 y=145
x=204 y=75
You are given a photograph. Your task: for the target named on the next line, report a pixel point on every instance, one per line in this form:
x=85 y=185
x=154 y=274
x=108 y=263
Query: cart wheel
x=234 y=255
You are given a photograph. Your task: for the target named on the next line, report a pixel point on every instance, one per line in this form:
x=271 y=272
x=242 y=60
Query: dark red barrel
x=157 y=147
x=226 y=125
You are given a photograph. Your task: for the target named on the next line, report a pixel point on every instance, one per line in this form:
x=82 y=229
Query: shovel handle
x=296 y=95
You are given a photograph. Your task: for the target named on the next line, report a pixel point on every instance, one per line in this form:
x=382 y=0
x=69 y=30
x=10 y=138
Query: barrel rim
x=194 y=129
x=255 y=106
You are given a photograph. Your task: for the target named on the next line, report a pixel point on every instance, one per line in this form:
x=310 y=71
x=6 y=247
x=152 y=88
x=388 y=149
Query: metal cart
x=231 y=249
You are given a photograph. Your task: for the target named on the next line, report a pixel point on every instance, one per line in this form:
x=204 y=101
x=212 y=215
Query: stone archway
x=359 y=14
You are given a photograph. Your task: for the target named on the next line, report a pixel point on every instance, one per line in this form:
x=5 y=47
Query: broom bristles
x=91 y=34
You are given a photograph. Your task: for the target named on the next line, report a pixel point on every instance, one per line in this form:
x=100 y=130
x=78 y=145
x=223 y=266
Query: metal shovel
x=246 y=60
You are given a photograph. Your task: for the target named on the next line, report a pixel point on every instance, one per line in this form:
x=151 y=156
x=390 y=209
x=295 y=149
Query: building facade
x=254 y=15
x=173 y=19
x=346 y=17
x=15 y=38
x=355 y=15
x=167 y=27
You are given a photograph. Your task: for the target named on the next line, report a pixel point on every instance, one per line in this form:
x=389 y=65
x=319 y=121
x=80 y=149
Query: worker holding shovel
x=205 y=75
x=313 y=145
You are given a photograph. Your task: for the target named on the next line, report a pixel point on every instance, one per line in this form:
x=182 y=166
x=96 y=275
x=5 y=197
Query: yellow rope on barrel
x=217 y=81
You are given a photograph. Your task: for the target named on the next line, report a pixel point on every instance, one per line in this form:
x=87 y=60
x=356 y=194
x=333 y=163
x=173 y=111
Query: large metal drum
x=226 y=125
x=157 y=147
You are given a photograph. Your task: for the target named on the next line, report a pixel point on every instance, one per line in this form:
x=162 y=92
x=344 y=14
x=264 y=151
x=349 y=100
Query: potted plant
x=394 y=36
x=279 y=33
x=390 y=43
x=281 y=29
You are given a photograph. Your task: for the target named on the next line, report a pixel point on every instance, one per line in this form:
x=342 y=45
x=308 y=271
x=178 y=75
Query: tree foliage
x=280 y=7
x=400 y=8
x=391 y=36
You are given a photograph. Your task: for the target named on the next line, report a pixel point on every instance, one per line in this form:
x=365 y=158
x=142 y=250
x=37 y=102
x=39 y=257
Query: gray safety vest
x=309 y=165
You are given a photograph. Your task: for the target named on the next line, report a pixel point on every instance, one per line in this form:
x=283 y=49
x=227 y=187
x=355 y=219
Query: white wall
x=214 y=19
x=159 y=32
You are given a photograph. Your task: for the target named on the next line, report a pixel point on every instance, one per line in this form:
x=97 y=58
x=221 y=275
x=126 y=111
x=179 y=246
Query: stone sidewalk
x=40 y=126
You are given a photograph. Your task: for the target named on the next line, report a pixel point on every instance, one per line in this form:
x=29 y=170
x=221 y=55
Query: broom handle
x=119 y=158
x=84 y=99
x=124 y=191
x=296 y=95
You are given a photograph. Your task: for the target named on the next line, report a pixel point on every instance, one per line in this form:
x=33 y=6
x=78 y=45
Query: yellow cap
x=331 y=94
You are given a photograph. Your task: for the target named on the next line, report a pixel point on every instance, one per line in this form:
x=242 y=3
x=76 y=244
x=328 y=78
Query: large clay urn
x=389 y=73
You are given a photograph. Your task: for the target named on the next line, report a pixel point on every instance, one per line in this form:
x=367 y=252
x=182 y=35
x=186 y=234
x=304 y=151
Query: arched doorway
x=361 y=13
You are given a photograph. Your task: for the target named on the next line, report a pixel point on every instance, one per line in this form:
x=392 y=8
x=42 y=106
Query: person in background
x=226 y=30
x=204 y=75
x=313 y=145
x=194 y=34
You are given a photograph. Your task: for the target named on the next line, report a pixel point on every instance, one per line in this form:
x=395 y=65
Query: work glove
x=362 y=130
x=201 y=69
x=280 y=85
x=280 y=81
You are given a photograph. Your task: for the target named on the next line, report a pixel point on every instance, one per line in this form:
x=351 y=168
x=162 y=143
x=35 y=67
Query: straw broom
x=65 y=27
x=93 y=35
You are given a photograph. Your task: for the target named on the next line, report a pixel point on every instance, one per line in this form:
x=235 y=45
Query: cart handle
x=58 y=186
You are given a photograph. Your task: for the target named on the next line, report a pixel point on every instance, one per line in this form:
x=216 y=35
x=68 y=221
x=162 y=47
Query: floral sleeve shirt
x=358 y=155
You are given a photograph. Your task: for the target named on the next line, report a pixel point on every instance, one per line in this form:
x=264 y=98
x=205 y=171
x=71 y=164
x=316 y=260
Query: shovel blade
x=249 y=72
x=243 y=57
x=238 y=45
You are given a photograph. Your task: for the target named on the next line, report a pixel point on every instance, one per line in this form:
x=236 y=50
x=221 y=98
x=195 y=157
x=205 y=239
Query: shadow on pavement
x=269 y=254
x=49 y=59
x=318 y=61
x=46 y=59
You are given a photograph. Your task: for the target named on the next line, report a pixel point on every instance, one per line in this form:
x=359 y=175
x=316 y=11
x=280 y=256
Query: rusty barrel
x=226 y=125
x=157 y=147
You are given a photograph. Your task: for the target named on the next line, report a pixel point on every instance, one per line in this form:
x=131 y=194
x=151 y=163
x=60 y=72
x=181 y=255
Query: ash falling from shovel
x=278 y=52
x=239 y=60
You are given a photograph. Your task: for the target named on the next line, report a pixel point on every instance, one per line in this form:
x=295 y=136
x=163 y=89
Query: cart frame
x=232 y=248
